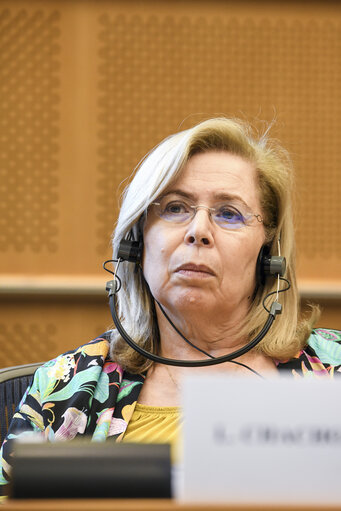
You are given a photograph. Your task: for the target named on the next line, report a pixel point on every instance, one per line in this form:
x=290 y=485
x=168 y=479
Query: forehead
x=214 y=173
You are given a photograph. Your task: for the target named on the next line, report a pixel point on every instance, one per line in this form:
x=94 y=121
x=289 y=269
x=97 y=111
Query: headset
x=267 y=265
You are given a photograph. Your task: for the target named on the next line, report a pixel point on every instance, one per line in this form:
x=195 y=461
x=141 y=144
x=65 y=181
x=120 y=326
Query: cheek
x=154 y=261
x=251 y=260
x=241 y=259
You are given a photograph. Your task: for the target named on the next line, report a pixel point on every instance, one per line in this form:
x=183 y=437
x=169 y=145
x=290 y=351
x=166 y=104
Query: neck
x=163 y=384
x=215 y=342
x=209 y=337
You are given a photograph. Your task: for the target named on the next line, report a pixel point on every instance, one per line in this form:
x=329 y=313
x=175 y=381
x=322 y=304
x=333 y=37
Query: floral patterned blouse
x=83 y=392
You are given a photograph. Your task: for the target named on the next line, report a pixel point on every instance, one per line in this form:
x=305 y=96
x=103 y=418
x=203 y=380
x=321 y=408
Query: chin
x=191 y=299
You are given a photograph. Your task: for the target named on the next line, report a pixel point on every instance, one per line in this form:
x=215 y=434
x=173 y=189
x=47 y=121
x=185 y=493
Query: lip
x=193 y=269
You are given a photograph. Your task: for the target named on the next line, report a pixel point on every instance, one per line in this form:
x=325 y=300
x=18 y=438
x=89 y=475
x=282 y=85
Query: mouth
x=193 y=270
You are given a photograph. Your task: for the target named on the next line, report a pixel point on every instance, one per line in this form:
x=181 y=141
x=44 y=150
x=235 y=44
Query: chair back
x=13 y=384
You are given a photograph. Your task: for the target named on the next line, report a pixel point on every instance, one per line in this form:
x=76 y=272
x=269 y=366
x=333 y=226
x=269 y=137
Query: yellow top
x=153 y=424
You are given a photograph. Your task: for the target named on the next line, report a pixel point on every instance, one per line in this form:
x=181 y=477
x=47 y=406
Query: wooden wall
x=88 y=87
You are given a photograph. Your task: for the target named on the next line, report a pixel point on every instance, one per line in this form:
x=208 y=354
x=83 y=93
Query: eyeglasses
x=180 y=211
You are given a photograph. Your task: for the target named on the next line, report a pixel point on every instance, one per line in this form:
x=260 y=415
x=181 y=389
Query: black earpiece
x=268 y=265
x=130 y=250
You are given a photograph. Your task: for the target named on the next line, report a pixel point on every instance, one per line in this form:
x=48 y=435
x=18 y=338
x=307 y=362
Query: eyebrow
x=217 y=196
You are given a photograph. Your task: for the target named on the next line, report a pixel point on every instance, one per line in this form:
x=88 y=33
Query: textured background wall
x=88 y=87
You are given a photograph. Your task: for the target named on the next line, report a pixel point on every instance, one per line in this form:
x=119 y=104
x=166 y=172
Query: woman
x=205 y=203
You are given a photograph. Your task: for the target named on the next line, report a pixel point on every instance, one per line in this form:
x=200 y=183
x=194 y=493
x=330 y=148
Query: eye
x=229 y=215
x=175 y=208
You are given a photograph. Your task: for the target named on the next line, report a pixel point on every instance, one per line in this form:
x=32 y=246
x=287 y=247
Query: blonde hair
x=155 y=173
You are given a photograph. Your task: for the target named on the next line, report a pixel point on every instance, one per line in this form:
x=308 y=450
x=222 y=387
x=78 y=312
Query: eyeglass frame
x=211 y=211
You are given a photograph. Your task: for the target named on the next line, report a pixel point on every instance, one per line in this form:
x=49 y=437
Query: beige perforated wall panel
x=29 y=117
x=88 y=87
x=38 y=329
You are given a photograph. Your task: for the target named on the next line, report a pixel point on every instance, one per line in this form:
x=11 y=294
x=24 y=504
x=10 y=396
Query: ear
x=268 y=265
x=129 y=249
x=264 y=254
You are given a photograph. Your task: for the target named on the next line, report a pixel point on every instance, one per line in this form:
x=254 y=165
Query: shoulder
x=320 y=357
x=326 y=344
x=90 y=359
x=97 y=347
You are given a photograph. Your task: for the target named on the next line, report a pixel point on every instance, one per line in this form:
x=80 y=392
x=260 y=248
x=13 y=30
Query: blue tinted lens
x=229 y=218
x=175 y=211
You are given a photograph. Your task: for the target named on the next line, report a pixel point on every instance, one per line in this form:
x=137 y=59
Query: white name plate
x=248 y=440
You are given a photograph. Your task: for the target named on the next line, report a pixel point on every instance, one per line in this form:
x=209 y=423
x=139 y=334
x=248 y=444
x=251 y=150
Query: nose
x=199 y=230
